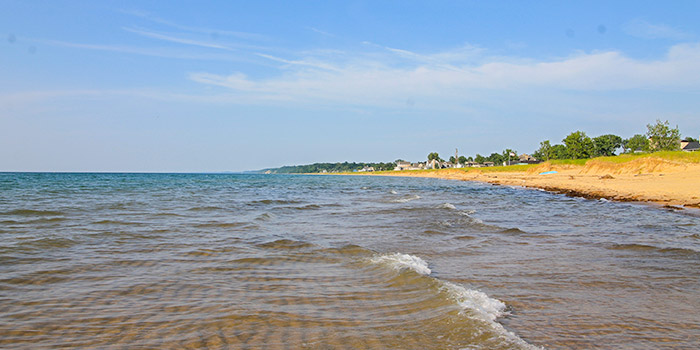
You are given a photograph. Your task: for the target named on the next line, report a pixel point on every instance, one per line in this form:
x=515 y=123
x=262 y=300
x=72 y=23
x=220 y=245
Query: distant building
x=487 y=164
x=690 y=146
x=409 y=166
x=418 y=166
x=527 y=159
x=366 y=169
x=402 y=165
x=433 y=164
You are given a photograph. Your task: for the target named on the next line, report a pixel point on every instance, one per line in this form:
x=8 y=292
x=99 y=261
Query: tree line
x=331 y=167
x=577 y=145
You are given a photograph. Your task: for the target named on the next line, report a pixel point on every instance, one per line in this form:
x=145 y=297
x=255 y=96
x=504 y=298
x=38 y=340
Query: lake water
x=143 y=261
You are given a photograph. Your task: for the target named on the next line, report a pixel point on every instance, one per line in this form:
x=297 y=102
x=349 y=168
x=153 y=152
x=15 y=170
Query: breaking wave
x=406 y=199
x=448 y=206
x=478 y=302
x=474 y=303
x=400 y=261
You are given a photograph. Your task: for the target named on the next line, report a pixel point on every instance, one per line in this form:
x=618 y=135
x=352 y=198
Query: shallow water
x=288 y=262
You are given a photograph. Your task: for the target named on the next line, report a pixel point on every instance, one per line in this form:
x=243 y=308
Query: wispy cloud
x=643 y=29
x=324 y=33
x=374 y=82
x=207 y=40
x=449 y=59
x=308 y=63
x=154 y=51
x=201 y=30
x=175 y=39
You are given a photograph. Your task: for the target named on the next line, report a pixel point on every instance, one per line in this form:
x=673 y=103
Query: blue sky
x=190 y=86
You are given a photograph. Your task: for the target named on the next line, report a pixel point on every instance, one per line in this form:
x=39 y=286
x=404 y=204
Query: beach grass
x=503 y=169
x=581 y=162
x=676 y=156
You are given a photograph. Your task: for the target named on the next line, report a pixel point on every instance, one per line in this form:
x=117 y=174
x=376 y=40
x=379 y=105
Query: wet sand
x=664 y=182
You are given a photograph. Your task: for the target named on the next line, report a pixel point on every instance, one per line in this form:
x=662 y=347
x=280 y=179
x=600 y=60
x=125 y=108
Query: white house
x=402 y=165
x=690 y=146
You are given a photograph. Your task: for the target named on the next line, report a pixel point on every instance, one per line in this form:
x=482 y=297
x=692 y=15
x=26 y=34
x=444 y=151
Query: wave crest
x=479 y=302
x=448 y=206
x=476 y=304
x=400 y=261
x=406 y=199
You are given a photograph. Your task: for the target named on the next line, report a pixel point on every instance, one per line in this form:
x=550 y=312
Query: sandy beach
x=649 y=179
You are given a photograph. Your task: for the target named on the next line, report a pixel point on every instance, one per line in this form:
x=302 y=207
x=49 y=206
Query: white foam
x=484 y=306
x=478 y=303
x=473 y=220
x=448 y=206
x=393 y=192
x=400 y=261
x=406 y=199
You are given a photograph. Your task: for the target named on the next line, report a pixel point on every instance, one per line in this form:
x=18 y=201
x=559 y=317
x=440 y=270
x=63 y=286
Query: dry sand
x=668 y=183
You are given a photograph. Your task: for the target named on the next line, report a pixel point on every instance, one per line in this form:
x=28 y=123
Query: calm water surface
x=117 y=261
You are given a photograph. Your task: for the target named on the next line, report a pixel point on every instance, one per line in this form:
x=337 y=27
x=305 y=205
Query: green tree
x=462 y=160
x=496 y=158
x=453 y=160
x=544 y=152
x=509 y=154
x=559 y=151
x=434 y=155
x=578 y=145
x=690 y=139
x=635 y=143
x=470 y=159
x=662 y=137
x=479 y=158
x=383 y=166
x=606 y=145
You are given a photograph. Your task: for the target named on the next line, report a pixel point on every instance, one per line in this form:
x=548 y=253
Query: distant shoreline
x=669 y=183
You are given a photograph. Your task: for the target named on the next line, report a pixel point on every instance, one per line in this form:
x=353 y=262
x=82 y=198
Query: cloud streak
x=171 y=38
x=645 y=30
x=324 y=33
x=371 y=81
x=209 y=31
x=163 y=52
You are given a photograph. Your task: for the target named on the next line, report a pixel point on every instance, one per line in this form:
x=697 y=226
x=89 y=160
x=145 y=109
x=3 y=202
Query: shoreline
x=669 y=184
